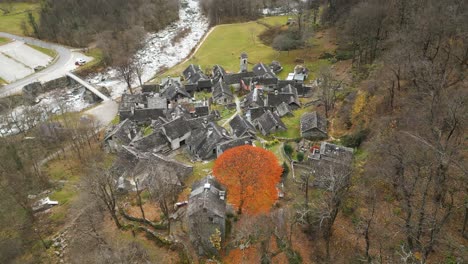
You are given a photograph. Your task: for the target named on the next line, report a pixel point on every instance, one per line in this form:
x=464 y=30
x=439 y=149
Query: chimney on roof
x=276 y=92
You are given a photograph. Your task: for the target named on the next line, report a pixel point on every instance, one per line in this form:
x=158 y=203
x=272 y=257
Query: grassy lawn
x=11 y=22
x=276 y=149
x=275 y=20
x=227 y=42
x=48 y=52
x=4 y=41
x=293 y=124
x=63 y=170
x=147 y=131
x=202 y=95
x=69 y=170
x=200 y=170
x=225 y=113
x=95 y=64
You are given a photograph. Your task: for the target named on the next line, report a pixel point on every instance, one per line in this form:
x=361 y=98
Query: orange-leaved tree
x=250 y=175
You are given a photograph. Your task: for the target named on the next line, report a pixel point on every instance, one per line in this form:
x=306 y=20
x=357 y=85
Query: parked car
x=80 y=62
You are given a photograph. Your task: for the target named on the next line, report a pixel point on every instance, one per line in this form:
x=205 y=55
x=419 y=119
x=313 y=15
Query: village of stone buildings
x=173 y=131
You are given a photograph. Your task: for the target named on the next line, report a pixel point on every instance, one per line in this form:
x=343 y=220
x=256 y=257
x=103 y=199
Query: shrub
x=288 y=149
x=300 y=156
x=287 y=41
x=355 y=140
x=343 y=55
x=272 y=143
x=285 y=170
x=325 y=56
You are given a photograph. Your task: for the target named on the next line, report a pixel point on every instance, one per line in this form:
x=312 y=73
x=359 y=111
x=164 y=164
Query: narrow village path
x=238 y=111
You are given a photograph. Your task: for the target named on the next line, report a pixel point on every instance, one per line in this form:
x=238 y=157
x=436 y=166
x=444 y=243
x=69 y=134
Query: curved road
x=64 y=63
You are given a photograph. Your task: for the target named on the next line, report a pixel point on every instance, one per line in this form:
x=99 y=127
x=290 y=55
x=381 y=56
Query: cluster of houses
x=166 y=117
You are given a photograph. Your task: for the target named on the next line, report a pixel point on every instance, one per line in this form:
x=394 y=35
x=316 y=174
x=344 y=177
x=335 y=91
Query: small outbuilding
x=313 y=126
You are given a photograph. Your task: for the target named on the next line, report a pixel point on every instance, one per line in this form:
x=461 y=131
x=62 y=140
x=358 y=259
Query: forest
x=400 y=105
x=410 y=60
x=120 y=23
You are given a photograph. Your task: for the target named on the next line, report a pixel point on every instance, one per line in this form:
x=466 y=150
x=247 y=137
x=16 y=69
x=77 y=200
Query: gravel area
x=11 y=70
x=18 y=60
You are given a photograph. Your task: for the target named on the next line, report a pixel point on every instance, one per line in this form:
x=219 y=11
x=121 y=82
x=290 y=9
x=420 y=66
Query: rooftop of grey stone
x=239 y=125
x=220 y=89
x=205 y=196
x=176 y=128
x=270 y=120
x=313 y=120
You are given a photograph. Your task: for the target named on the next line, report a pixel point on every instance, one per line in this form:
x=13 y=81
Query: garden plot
x=18 y=60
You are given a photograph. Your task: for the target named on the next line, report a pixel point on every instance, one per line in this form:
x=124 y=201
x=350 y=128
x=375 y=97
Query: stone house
x=237 y=80
x=153 y=167
x=276 y=67
x=222 y=93
x=222 y=147
x=299 y=75
x=254 y=99
x=122 y=134
x=333 y=153
x=174 y=91
x=263 y=75
x=142 y=108
x=284 y=110
x=269 y=123
x=192 y=73
x=154 y=142
x=313 y=126
x=267 y=82
x=252 y=114
x=302 y=89
x=206 y=214
x=277 y=98
x=242 y=128
x=329 y=159
x=177 y=132
x=203 y=141
x=196 y=80
x=218 y=73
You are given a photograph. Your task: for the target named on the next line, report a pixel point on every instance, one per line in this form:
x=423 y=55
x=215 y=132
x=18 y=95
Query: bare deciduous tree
x=328 y=85
x=102 y=185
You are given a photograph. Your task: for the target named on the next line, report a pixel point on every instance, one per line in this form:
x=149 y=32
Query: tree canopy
x=251 y=175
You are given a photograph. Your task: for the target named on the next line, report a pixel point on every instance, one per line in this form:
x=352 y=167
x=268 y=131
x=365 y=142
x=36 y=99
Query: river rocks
x=32 y=90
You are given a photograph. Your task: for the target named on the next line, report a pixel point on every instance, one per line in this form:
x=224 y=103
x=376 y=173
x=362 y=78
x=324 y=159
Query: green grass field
x=224 y=45
x=293 y=123
x=11 y=22
x=95 y=64
x=4 y=41
x=48 y=52
x=275 y=20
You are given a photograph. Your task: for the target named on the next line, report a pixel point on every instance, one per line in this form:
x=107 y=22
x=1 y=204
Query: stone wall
x=61 y=82
x=31 y=91
x=182 y=170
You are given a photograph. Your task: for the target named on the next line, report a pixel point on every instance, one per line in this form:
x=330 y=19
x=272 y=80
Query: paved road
x=64 y=63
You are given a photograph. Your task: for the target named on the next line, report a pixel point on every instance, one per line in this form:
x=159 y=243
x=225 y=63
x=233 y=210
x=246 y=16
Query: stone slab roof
x=313 y=120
